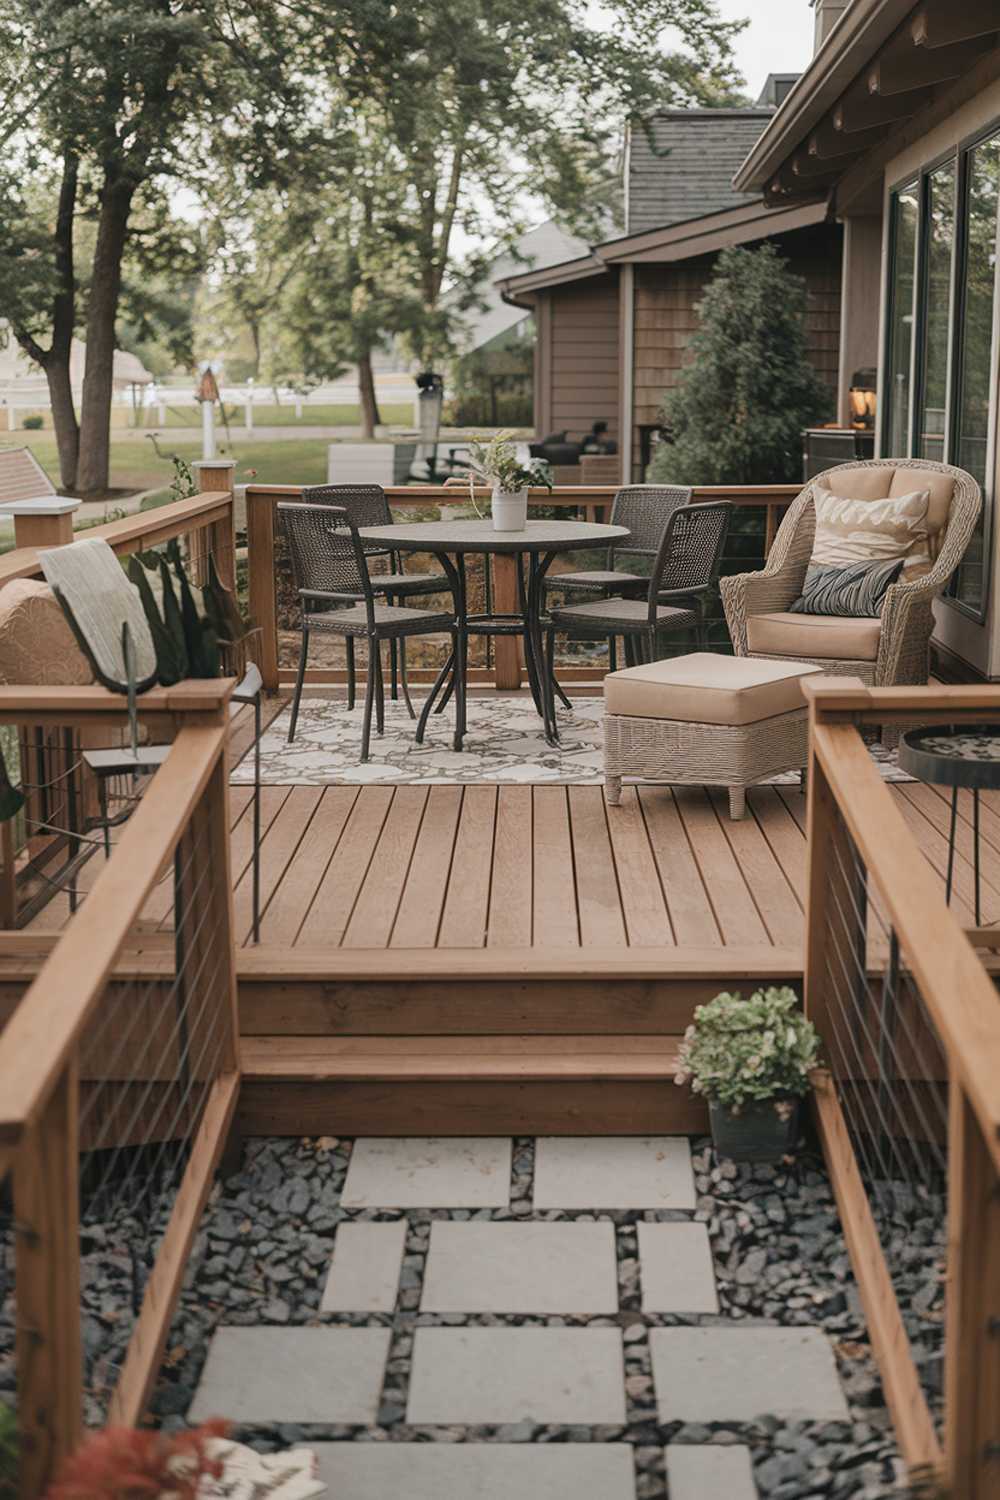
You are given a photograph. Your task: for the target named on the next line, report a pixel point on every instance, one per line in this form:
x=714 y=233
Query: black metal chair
x=337 y=596
x=366 y=505
x=685 y=570
x=646 y=510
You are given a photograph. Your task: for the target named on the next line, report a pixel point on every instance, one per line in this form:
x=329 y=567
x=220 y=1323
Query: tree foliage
x=738 y=410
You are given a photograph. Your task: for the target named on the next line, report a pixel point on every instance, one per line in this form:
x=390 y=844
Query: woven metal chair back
x=325 y=551
x=691 y=552
x=365 y=504
x=646 y=510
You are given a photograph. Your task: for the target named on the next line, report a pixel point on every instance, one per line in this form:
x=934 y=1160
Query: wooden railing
x=591 y=502
x=909 y=1109
x=50 y=764
x=109 y=1082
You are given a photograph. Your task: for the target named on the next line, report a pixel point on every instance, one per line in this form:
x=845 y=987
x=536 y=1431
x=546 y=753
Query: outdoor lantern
x=862 y=398
x=207 y=393
x=431 y=400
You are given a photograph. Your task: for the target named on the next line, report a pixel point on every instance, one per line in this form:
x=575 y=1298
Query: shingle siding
x=686 y=171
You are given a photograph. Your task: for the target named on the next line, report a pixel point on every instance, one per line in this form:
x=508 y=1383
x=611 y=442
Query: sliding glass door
x=940 y=343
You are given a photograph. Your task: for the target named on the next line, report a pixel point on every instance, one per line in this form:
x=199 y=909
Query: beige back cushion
x=37 y=645
x=881 y=483
x=850 y=531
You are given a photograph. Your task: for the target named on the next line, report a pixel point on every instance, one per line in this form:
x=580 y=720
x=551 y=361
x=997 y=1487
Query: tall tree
x=738 y=410
x=444 y=126
x=112 y=95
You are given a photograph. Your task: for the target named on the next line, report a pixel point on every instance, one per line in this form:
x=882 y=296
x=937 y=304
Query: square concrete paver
x=489 y=1375
x=478 y=1471
x=426 y=1172
x=737 y=1374
x=710 y=1473
x=364 y=1275
x=676 y=1271
x=521 y=1268
x=292 y=1375
x=593 y=1172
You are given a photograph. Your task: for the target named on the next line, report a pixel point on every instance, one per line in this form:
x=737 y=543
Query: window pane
x=940 y=231
x=975 y=350
x=896 y=420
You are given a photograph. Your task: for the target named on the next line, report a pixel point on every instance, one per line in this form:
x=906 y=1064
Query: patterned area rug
x=504 y=743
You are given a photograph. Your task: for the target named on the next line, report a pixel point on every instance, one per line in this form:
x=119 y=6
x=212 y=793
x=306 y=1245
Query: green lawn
x=400 y=414
x=135 y=466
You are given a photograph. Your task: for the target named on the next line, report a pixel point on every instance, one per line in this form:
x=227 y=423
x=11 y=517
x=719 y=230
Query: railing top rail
x=51 y=1015
x=834 y=699
x=959 y=995
x=562 y=494
x=195 y=695
x=146 y=528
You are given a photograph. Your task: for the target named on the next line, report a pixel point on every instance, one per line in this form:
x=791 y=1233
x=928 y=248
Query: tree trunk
x=57 y=369
x=369 y=406
x=105 y=289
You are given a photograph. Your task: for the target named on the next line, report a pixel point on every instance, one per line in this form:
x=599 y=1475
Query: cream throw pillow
x=855 y=531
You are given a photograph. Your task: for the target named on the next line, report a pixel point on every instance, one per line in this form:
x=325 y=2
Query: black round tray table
x=957 y=756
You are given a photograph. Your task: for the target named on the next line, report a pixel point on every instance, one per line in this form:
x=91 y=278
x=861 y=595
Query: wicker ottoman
x=705 y=720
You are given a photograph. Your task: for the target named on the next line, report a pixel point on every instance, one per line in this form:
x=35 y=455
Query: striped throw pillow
x=857 y=591
x=866 y=531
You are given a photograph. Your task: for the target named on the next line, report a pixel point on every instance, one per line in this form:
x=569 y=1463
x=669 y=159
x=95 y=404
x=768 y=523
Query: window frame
x=960 y=155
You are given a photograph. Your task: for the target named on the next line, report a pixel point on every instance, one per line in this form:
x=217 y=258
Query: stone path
x=538 y=1319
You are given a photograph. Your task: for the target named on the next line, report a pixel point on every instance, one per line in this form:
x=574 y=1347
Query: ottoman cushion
x=704 y=688
x=829 y=637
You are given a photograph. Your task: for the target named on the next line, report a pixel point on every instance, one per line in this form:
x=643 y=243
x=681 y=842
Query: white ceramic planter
x=510 y=511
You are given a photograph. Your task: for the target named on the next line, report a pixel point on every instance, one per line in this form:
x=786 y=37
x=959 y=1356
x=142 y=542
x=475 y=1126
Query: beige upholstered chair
x=893 y=649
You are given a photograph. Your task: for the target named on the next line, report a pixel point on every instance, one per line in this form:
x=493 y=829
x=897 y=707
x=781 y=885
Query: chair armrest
x=771 y=589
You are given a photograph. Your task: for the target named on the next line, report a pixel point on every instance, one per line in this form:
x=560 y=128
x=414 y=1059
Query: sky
x=778 y=39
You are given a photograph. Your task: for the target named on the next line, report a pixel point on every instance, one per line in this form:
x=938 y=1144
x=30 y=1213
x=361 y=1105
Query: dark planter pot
x=757 y=1133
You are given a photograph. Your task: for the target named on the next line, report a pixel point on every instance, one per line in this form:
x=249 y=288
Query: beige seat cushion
x=703 y=688
x=37 y=645
x=827 y=637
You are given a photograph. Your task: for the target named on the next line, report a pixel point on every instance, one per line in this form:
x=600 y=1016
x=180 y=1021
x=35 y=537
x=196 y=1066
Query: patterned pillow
x=856 y=591
x=865 y=531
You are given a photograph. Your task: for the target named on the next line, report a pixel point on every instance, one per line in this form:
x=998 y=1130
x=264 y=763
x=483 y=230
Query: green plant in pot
x=496 y=462
x=751 y=1060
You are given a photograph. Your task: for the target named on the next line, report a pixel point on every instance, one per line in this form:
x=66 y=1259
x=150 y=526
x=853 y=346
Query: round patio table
x=957 y=757
x=535 y=548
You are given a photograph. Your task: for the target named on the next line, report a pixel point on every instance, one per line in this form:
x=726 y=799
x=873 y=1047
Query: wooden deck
x=469 y=959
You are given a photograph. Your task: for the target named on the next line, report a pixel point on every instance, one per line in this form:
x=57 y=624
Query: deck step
x=459 y=1085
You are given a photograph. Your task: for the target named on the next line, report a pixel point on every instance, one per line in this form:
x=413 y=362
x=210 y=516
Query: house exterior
x=896 y=123
x=613 y=324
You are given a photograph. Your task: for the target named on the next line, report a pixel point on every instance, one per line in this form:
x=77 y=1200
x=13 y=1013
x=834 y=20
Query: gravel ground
x=264 y=1250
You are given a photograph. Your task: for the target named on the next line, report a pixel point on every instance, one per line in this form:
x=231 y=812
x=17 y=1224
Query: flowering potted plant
x=751 y=1059
x=497 y=463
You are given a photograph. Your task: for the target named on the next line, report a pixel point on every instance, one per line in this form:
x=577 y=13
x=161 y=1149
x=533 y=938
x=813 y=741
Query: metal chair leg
x=459 y=681
x=299 y=680
x=256 y=816
x=352 y=680
x=375 y=664
x=402 y=677
x=366 y=728
x=612 y=653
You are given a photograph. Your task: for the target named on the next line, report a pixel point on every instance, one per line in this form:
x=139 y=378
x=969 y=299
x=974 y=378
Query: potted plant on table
x=496 y=462
x=751 y=1059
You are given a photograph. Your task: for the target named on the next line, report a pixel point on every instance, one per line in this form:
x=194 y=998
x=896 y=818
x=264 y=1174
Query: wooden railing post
x=507 y=649
x=214 y=474
x=263 y=605
x=49 y=1352
x=972 y=1345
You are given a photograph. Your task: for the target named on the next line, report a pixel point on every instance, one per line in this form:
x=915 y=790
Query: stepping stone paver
x=499 y=1375
x=676 y=1272
x=292 y=1375
x=521 y=1268
x=429 y=1172
x=364 y=1274
x=709 y=1472
x=737 y=1374
x=478 y=1471
x=614 y=1172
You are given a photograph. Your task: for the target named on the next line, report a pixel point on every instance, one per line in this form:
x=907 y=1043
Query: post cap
x=213 y=463
x=43 y=505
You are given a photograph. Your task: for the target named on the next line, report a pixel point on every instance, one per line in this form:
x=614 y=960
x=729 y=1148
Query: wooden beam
x=859 y=110
x=940 y=25
x=827 y=143
x=899 y=72
x=815 y=171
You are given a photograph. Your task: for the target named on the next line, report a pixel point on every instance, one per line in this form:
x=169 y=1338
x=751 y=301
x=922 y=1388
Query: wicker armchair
x=894 y=650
